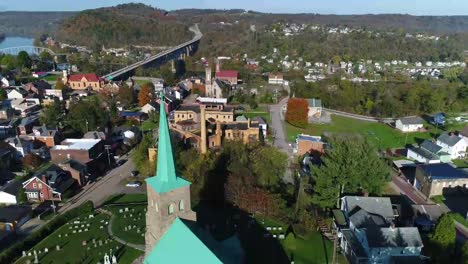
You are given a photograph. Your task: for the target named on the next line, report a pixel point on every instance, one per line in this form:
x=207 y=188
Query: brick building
x=228 y=75
x=308 y=144
x=49 y=184
x=85 y=81
x=82 y=150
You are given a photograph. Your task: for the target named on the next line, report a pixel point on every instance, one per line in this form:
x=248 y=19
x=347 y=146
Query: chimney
x=203 y=145
x=218 y=67
x=219 y=133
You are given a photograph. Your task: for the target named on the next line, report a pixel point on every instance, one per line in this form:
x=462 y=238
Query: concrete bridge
x=178 y=52
x=28 y=49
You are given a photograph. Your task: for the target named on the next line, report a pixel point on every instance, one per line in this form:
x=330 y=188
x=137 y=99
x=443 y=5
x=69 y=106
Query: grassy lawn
x=314 y=249
x=148 y=125
x=73 y=251
x=51 y=78
x=380 y=134
x=459 y=218
x=126 y=223
x=127 y=198
x=261 y=110
x=460 y=163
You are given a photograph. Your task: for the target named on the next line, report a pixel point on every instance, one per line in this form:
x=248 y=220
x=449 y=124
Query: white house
x=6 y=83
x=149 y=107
x=409 y=124
x=315 y=108
x=7 y=198
x=275 y=78
x=453 y=144
x=16 y=94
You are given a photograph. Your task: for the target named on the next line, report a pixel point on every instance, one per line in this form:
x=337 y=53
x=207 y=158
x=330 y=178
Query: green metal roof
x=180 y=245
x=166 y=179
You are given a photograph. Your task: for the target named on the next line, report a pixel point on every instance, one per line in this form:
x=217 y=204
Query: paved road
x=281 y=141
x=97 y=192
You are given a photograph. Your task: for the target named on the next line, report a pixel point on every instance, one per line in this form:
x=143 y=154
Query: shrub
x=297 y=112
x=14 y=252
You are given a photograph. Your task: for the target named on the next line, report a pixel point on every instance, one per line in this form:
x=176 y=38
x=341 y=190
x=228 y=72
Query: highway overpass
x=180 y=51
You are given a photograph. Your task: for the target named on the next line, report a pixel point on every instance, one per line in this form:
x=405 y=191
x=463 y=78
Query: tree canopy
x=297 y=112
x=350 y=165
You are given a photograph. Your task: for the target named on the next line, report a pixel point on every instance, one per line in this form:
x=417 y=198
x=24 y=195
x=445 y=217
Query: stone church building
x=172 y=235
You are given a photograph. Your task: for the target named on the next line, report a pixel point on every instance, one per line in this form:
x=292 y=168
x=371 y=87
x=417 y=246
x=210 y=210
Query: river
x=16 y=42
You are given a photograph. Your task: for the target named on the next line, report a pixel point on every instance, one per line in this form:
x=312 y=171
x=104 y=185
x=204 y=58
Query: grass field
x=382 y=135
x=71 y=245
x=127 y=198
x=134 y=217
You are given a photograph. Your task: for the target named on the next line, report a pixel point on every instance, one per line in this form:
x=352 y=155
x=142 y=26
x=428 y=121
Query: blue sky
x=414 y=7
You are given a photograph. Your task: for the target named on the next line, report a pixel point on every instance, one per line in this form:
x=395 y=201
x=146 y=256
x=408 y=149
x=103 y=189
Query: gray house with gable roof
x=366 y=233
x=428 y=152
x=455 y=145
x=409 y=124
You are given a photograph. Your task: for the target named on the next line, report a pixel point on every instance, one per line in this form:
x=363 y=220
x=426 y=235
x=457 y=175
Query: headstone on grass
x=268 y=228
x=36 y=260
x=281 y=236
x=94 y=240
x=24 y=253
x=126 y=209
x=60 y=235
x=138 y=231
x=106 y=259
x=28 y=261
x=86 y=229
x=90 y=216
x=274 y=236
x=29 y=254
x=46 y=250
x=101 y=227
x=100 y=242
x=120 y=210
x=79 y=231
x=66 y=235
x=57 y=247
x=83 y=243
x=125 y=228
x=114 y=259
x=274 y=228
x=280 y=228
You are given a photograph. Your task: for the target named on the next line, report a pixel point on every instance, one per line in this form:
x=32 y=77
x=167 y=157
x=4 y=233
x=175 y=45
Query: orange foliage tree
x=297 y=111
x=145 y=95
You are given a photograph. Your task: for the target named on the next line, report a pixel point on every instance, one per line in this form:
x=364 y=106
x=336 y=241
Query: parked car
x=134 y=184
x=121 y=162
x=134 y=173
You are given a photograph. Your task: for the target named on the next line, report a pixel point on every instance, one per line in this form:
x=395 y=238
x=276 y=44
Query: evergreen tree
x=443 y=240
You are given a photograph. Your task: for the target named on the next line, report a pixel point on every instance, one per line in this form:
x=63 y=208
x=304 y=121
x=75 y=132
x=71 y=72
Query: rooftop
x=90 y=77
x=227 y=74
x=430 y=146
x=442 y=171
x=394 y=237
x=309 y=138
x=449 y=138
x=374 y=205
x=415 y=120
x=77 y=143
x=314 y=102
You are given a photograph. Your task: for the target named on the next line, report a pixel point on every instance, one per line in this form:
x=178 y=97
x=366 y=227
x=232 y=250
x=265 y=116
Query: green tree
x=464 y=253
x=87 y=115
x=126 y=96
x=52 y=114
x=9 y=61
x=350 y=165
x=443 y=239
x=3 y=94
x=268 y=164
x=45 y=56
x=23 y=60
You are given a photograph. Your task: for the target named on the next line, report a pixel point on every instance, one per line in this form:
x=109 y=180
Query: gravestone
x=126 y=209
x=88 y=225
x=94 y=240
x=24 y=253
x=125 y=228
x=131 y=215
x=82 y=226
x=106 y=259
x=66 y=234
x=138 y=231
x=114 y=259
x=59 y=235
x=79 y=231
x=274 y=228
x=57 y=247
x=268 y=228
x=76 y=222
x=91 y=216
x=29 y=254
x=28 y=261
x=280 y=228
x=274 y=236
x=83 y=243
x=36 y=260
x=281 y=236
x=101 y=227
x=100 y=242
x=120 y=210
x=86 y=229
x=46 y=250
x=107 y=223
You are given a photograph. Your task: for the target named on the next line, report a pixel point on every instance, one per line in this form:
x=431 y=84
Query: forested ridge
x=123 y=25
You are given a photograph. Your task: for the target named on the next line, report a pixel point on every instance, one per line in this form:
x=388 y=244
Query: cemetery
x=129 y=222
x=82 y=240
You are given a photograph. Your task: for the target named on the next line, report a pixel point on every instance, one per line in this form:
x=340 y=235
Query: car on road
x=134 y=173
x=121 y=162
x=134 y=184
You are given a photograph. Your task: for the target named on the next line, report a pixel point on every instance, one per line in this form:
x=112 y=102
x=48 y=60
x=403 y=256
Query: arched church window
x=156 y=206
x=181 y=205
x=171 y=209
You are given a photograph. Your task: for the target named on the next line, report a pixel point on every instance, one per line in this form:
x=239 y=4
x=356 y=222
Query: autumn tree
x=59 y=85
x=350 y=165
x=146 y=94
x=31 y=161
x=297 y=112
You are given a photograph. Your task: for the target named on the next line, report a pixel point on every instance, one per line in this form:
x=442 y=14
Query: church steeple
x=165 y=179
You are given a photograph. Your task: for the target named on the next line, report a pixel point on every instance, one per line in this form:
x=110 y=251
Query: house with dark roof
x=427 y=152
x=48 y=184
x=367 y=233
x=454 y=144
x=435 y=179
x=12 y=217
x=409 y=124
x=50 y=137
x=22 y=145
x=133 y=115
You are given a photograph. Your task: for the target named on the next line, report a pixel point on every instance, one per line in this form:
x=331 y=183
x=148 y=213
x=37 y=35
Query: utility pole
x=108 y=147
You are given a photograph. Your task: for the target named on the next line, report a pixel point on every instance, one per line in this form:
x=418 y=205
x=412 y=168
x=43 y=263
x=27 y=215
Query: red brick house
x=50 y=137
x=48 y=184
x=84 y=81
x=229 y=76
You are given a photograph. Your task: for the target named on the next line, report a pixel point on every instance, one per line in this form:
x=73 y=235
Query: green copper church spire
x=165 y=179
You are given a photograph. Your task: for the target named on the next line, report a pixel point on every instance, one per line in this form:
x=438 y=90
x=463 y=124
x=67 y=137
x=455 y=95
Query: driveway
x=280 y=137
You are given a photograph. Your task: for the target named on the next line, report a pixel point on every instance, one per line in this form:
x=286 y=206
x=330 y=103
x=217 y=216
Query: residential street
x=278 y=130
